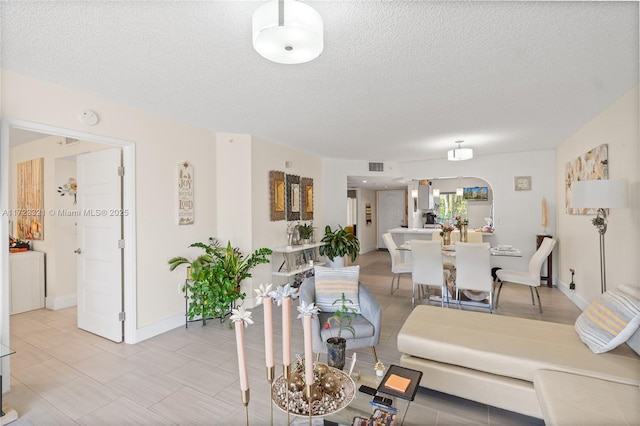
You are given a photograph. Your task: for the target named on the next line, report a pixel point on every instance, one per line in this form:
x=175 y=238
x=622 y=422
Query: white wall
x=160 y=145
x=61 y=290
x=267 y=156
x=617 y=126
x=517 y=214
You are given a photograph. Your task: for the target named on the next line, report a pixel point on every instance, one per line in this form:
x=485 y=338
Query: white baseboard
x=156 y=329
x=368 y=249
x=572 y=295
x=60 y=302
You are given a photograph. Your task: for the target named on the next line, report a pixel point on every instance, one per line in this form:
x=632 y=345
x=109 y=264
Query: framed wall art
x=306 y=204
x=30 y=202
x=293 y=197
x=522 y=183
x=277 y=194
x=592 y=165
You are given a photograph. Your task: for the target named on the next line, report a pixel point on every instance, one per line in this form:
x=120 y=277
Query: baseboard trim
x=156 y=329
x=60 y=302
x=368 y=249
x=572 y=295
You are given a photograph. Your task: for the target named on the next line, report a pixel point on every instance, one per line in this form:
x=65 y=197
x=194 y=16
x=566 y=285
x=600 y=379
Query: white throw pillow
x=609 y=321
x=332 y=282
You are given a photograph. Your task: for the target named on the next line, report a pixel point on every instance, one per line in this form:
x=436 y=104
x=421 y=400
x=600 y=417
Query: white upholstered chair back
x=427 y=262
x=473 y=267
x=546 y=247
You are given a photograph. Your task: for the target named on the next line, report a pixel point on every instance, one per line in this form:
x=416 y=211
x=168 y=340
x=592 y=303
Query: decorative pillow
x=609 y=321
x=332 y=282
x=634 y=340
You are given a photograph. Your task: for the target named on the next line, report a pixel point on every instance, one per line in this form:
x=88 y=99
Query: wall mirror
x=306 y=206
x=277 y=191
x=293 y=197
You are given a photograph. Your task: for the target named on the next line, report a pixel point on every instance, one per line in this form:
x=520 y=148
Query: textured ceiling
x=397 y=80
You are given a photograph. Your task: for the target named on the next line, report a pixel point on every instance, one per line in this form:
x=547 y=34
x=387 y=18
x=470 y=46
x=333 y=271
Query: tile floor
x=61 y=375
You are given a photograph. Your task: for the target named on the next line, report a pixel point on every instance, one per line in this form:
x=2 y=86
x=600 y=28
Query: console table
x=549 y=277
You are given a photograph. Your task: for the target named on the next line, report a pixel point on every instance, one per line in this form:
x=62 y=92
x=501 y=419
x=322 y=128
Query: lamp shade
x=296 y=39
x=609 y=193
x=436 y=192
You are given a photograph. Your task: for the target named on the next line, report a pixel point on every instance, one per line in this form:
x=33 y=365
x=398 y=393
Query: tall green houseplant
x=339 y=243
x=214 y=281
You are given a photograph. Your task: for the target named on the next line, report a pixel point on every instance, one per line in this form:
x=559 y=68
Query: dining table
x=449 y=256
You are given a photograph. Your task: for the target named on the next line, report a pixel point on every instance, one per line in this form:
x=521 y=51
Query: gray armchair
x=366 y=325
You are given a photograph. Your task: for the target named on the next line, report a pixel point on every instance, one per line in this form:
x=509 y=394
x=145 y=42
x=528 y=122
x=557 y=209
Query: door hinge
x=120 y=243
x=121 y=316
x=121 y=171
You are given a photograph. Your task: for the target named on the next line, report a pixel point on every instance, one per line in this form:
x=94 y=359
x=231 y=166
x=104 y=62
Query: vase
x=446 y=239
x=463 y=233
x=336 y=262
x=336 y=351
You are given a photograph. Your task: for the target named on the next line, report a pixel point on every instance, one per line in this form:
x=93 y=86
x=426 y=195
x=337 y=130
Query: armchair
x=366 y=324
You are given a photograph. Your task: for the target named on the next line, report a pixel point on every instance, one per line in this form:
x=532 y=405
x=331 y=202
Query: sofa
x=532 y=367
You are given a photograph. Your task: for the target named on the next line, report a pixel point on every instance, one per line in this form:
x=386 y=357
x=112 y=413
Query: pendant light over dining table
x=287 y=32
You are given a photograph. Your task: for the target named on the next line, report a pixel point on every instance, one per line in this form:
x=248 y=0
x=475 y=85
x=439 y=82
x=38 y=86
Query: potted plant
x=306 y=232
x=336 y=345
x=445 y=233
x=214 y=278
x=337 y=244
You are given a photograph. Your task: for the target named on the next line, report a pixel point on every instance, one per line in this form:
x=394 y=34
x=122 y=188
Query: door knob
x=77 y=251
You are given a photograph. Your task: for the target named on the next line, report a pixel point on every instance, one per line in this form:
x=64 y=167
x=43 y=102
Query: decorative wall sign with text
x=185 y=193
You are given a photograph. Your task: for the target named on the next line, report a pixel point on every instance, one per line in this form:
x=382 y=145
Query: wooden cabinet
x=26 y=289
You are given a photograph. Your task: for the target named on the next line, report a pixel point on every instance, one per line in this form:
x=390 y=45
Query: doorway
x=391 y=212
x=128 y=222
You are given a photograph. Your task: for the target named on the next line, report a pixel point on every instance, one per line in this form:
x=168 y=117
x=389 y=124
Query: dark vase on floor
x=336 y=349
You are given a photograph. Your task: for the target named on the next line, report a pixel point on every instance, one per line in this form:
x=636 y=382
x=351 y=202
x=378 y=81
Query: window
x=451 y=205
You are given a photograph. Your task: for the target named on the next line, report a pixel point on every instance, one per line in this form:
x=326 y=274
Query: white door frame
x=129 y=223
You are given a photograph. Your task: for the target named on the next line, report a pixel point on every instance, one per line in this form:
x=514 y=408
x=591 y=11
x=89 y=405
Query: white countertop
x=425 y=231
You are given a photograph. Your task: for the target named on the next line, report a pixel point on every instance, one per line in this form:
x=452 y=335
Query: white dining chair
x=398 y=267
x=530 y=277
x=427 y=268
x=473 y=270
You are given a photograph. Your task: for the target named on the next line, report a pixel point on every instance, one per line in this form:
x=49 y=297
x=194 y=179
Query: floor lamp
x=600 y=194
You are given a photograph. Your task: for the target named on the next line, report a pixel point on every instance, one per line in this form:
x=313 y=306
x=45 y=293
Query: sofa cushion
x=609 y=321
x=332 y=282
x=569 y=399
x=508 y=346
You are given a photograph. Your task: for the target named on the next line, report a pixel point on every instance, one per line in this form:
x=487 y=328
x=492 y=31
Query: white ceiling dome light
x=459 y=154
x=287 y=32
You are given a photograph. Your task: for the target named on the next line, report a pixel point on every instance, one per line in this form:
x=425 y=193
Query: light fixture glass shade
x=608 y=193
x=436 y=192
x=459 y=192
x=414 y=193
x=460 y=154
x=300 y=39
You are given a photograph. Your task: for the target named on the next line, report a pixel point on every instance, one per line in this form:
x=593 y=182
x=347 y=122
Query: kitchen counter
x=427 y=231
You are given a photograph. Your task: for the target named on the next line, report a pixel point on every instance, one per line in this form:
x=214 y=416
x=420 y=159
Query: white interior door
x=99 y=235
x=391 y=212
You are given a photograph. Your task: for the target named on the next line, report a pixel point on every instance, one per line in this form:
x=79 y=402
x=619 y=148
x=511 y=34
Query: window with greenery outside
x=451 y=205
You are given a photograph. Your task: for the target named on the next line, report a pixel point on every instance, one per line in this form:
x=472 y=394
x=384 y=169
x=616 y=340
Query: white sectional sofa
x=537 y=368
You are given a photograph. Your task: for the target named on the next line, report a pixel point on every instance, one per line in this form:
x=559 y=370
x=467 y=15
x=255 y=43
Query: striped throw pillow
x=332 y=282
x=609 y=321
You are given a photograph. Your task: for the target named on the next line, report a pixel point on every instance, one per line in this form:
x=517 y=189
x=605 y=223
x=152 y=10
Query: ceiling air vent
x=376 y=167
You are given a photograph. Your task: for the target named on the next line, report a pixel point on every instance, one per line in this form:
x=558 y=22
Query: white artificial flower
x=263 y=291
x=241 y=314
x=281 y=293
x=310 y=309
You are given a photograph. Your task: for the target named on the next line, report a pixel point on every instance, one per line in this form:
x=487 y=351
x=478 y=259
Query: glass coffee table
x=361 y=405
